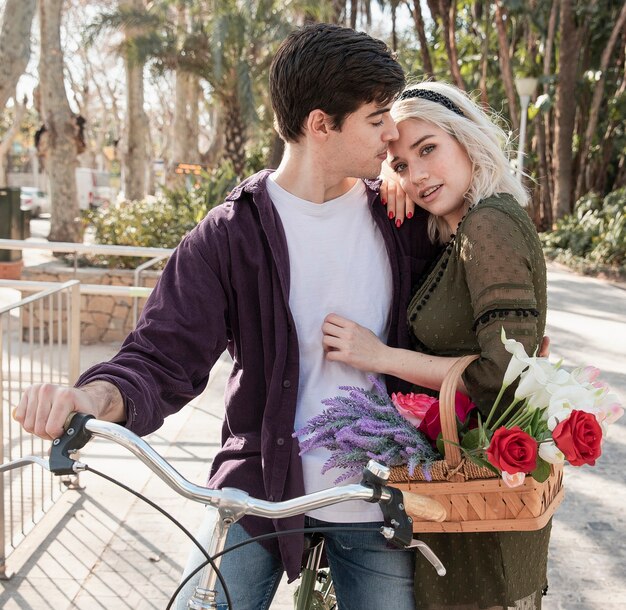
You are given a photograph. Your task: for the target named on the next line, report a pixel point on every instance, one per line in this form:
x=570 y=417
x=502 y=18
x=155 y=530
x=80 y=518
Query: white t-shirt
x=338 y=264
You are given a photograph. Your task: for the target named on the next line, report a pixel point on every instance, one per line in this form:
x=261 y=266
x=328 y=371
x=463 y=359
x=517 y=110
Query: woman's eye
x=379 y=124
x=399 y=168
x=428 y=149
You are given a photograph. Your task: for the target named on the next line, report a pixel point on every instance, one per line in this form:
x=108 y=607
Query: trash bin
x=12 y=226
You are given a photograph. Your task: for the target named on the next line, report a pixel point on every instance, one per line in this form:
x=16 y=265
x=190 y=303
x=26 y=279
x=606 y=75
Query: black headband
x=431 y=96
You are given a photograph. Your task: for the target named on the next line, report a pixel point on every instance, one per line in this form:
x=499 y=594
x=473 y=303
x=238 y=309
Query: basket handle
x=447 y=411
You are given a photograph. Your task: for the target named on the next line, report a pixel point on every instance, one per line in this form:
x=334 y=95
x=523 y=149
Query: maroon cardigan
x=227 y=287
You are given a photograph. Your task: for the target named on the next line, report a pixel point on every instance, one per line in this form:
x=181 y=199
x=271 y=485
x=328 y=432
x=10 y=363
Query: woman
x=450 y=159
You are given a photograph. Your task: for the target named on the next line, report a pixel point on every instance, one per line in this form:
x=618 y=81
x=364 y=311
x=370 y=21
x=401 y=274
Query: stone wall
x=102 y=318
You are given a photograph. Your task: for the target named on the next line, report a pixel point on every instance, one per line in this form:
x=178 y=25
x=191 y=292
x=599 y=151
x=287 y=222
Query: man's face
x=360 y=147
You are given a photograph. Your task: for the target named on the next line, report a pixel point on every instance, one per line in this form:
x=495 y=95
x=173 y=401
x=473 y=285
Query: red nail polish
x=383 y=201
x=398 y=223
x=391 y=215
x=409 y=215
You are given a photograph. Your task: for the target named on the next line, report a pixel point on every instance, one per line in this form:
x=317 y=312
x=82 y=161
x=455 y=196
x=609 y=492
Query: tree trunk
x=14 y=44
x=354 y=12
x=394 y=33
x=338 y=8
x=7 y=140
x=180 y=128
x=447 y=11
x=505 y=65
x=545 y=192
x=215 y=137
x=598 y=98
x=484 y=61
x=235 y=135
x=134 y=154
x=193 y=131
x=565 y=109
x=548 y=116
x=418 y=18
x=60 y=124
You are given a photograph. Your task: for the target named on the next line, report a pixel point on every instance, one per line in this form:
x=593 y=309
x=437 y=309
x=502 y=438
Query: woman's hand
x=348 y=342
x=399 y=205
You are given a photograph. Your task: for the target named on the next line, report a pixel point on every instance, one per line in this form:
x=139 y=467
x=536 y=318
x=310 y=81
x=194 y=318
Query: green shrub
x=593 y=237
x=157 y=222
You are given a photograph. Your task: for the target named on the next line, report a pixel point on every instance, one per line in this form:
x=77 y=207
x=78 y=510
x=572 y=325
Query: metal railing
x=154 y=254
x=39 y=343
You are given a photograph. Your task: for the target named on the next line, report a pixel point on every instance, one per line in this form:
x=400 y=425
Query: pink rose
x=431 y=424
x=513 y=480
x=413 y=407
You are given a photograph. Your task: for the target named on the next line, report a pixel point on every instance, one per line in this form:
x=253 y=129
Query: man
x=257 y=277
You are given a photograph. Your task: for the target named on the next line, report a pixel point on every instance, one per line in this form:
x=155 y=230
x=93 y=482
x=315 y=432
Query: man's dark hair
x=331 y=68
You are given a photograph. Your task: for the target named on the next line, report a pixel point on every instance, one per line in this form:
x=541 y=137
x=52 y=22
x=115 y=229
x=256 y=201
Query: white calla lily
x=549 y=452
x=519 y=359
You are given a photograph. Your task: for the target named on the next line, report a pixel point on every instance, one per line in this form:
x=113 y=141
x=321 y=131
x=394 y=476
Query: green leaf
x=472 y=439
x=440 y=445
x=542 y=472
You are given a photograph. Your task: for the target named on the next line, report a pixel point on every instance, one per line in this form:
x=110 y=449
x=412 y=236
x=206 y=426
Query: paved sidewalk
x=101 y=548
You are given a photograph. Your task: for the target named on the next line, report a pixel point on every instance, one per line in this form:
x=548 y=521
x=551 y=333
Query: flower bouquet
x=503 y=473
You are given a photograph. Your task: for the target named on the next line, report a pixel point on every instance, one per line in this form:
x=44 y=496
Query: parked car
x=93 y=188
x=34 y=201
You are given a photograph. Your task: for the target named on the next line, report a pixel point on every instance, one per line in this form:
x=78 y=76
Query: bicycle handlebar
x=81 y=427
x=233 y=502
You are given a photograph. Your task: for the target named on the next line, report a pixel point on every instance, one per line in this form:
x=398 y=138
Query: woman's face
x=432 y=168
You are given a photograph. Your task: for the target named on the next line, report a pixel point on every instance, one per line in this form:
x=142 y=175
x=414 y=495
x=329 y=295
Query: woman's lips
x=428 y=194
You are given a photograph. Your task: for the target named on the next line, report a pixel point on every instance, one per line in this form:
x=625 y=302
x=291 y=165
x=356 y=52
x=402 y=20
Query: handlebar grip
x=423 y=507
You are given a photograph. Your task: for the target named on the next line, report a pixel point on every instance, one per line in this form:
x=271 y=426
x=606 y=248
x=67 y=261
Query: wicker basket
x=474 y=498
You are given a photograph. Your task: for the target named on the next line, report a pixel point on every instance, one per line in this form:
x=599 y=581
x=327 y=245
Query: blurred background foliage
x=170 y=82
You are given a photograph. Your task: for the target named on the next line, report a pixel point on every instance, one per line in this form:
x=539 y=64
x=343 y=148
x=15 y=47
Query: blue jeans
x=368 y=575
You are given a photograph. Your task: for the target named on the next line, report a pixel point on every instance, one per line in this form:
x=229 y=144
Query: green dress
x=491 y=274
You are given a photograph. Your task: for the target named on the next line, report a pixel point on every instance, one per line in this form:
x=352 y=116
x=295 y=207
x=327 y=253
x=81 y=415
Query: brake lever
x=25 y=461
x=74 y=438
x=398 y=528
x=429 y=554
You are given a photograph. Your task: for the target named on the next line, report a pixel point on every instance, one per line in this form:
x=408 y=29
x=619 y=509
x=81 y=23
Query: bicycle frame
x=232 y=504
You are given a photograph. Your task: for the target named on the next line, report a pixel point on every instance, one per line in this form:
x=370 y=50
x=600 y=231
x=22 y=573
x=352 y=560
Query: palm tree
x=232 y=51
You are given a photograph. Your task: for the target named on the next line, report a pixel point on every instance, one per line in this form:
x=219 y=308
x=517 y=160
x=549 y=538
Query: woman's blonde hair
x=485 y=142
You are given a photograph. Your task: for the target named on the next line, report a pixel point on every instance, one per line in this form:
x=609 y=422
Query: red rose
x=512 y=450
x=579 y=438
x=431 y=424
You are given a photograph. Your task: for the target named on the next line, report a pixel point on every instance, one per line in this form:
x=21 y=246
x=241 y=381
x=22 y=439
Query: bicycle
x=232 y=504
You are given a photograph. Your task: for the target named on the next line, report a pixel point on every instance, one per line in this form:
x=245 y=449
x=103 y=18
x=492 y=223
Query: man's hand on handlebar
x=44 y=407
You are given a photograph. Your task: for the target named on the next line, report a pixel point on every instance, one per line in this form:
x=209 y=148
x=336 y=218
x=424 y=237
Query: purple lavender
x=361 y=426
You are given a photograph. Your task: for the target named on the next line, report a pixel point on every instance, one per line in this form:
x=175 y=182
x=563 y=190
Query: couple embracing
x=310 y=282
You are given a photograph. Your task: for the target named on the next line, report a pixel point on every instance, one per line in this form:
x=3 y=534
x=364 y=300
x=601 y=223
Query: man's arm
x=44 y=408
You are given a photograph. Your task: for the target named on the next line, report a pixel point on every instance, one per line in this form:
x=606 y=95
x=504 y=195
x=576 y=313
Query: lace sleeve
x=500 y=259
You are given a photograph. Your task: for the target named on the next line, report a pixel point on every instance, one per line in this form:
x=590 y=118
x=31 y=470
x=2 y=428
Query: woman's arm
x=350 y=343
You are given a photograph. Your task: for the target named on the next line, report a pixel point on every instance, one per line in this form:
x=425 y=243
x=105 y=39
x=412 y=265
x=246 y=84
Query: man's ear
x=318 y=124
